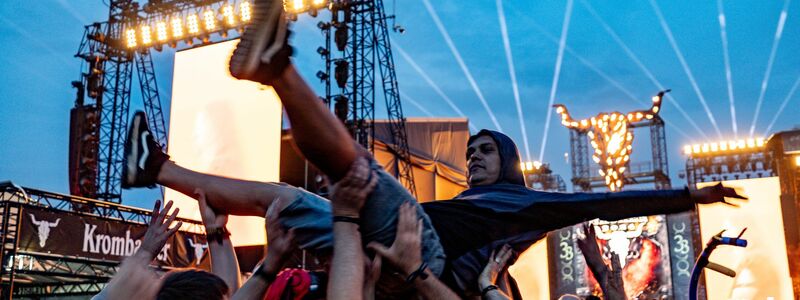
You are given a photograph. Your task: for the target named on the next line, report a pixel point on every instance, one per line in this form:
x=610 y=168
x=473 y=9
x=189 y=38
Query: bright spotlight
x=177 y=28
x=192 y=23
x=161 y=31
x=146 y=37
x=130 y=34
x=244 y=11
x=210 y=20
x=227 y=13
x=797 y=160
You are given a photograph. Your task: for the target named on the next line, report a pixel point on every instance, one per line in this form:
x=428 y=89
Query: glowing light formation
x=724 y=146
x=530 y=166
x=301 y=6
x=170 y=30
x=611 y=138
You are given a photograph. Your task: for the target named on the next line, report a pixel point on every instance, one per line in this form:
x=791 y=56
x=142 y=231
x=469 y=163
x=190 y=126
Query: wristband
x=488 y=289
x=217 y=234
x=356 y=221
x=261 y=273
x=420 y=272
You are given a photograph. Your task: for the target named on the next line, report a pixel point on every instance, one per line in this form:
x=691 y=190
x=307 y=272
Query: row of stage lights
x=185 y=28
x=724 y=147
x=530 y=166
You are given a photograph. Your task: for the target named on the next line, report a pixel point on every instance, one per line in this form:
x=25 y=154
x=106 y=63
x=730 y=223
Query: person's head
x=192 y=284
x=492 y=157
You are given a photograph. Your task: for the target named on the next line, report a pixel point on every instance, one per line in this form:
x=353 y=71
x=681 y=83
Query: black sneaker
x=263 y=52
x=143 y=155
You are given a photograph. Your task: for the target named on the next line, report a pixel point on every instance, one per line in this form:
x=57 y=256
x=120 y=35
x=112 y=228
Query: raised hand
x=280 y=242
x=158 y=230
x=350 y=193
x=211 y=219
x=405 y=253
x=716 y=193
x=496 y=265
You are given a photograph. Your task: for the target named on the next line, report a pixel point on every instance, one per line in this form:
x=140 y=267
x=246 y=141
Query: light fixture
x=130 y=36
x=161 y=31
x=210 y=20
x=192 y=23
x=177 y=28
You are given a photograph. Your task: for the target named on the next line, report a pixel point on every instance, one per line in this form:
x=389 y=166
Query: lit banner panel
x=762 y=268
x=223 y=126
x=531 y=272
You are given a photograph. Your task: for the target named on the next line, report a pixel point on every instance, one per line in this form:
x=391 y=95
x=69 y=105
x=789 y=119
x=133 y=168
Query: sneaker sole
x=247 y=56
x=131 y=163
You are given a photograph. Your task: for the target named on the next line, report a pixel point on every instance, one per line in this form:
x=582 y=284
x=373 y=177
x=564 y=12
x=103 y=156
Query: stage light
x=145 y=34
x=161 y=31
x=340 y=36
x=322 y=75
x=130 y=35
x=227 y=13
x=244 y=11
x=318 y=3
x=177 y=28
x=760 y=142
x=210 y=20
x=341 y=73
x=192 y=23
x=322 y=51
x=797 y=160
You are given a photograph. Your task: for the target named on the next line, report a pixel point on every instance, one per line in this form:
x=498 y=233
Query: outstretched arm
x=571 y=208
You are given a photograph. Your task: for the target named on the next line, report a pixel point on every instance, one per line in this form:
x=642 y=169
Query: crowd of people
x=374 y=239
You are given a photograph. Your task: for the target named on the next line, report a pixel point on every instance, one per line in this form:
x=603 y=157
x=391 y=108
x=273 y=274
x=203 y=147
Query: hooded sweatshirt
x=483 y=218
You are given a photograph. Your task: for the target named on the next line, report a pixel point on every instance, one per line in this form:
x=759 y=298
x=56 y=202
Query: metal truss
x=30 y=274
x=150 y=96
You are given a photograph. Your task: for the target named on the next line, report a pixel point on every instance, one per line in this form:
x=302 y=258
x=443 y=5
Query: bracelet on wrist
x=217 y=234
x=420 y=272
x=488 y=289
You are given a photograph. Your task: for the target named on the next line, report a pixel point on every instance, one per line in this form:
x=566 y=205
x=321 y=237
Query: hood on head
x=510 y=171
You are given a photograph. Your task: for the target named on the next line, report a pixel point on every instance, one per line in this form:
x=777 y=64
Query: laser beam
x=562 y=43
x=427 y=79
x=514 y=86
x=685 y=66
x=461 y=63
x=783 y=105
x=764 y=83
x=724 y=35
x=645 y=70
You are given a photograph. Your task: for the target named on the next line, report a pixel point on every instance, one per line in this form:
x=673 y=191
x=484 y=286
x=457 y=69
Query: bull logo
x=43 y=228
x=199 y=249
x=611 y=138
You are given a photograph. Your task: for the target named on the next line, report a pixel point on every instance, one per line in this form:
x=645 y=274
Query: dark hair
x=192 y=284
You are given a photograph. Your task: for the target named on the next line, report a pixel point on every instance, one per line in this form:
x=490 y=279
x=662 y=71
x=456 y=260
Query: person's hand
x=496 y=265
x=210 y=218
x=373 y=273
x=715 y=193
x=134 y=281
x=405 y=253
x=280 y=242
x=159 y=231
x=588 y=241
x=349 y=194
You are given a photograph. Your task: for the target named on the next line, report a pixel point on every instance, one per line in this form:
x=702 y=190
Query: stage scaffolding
x=33 y=274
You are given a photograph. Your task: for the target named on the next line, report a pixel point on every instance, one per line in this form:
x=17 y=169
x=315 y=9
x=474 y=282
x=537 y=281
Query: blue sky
x=39 y=39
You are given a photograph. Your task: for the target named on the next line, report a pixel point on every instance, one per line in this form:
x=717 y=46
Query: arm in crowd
x=223 y=257
x=135 y=280
x=488 y=278
x=347 y=199
x=405 y=255
x=280 y=244
x=581 y=207
x=610 y=280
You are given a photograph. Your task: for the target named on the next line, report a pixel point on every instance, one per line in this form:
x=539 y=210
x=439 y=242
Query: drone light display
x=611 y=138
